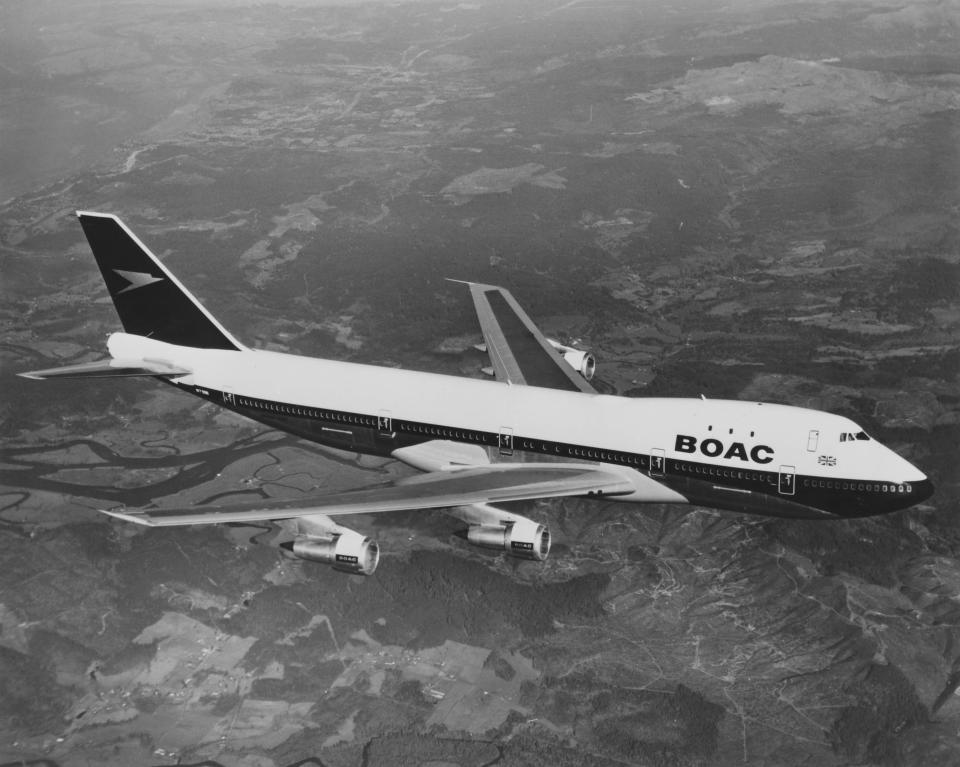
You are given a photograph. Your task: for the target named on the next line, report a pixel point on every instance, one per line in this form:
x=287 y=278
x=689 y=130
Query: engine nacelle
x=348 y=552
x=525 y=539
x=583 y=362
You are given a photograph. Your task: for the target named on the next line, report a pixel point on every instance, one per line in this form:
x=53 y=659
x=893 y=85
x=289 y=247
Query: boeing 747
x=540 y=430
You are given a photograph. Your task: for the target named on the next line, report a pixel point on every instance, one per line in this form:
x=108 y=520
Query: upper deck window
x=850 y=436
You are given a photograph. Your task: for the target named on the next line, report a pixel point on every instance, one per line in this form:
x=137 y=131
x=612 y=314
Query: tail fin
x=151 y=302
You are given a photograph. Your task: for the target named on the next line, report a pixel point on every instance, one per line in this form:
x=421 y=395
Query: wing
x=519 y=352
x=496 y=483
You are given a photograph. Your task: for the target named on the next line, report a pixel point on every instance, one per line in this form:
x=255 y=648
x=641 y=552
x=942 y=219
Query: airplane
x=539 y=430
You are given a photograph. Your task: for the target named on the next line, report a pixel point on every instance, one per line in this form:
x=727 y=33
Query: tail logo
x=136 y=279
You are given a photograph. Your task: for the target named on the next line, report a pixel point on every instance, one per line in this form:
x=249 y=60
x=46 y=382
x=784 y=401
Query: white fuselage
x=692 y=447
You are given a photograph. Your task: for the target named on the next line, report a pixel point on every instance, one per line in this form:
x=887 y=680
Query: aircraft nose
x=921 y=491
x=917 y=491
x=915 y=482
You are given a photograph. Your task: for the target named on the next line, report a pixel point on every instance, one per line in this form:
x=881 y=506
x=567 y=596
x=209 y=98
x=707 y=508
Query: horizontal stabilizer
x=497 y=483
x=110 y=368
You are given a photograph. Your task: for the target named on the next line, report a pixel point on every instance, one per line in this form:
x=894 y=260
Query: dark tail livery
x=151 y=302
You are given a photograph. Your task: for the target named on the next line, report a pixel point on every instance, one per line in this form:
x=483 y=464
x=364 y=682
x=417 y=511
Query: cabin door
x=658 y=462
x=788 y=480
x=506 y=440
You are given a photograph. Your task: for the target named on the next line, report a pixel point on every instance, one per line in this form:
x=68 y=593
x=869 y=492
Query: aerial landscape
x=754 y=200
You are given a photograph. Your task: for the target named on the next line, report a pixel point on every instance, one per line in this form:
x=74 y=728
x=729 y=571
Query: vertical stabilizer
x=151 y=302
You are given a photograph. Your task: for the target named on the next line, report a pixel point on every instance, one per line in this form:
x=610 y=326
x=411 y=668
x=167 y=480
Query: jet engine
x=583 y=362
x=348 y=552
x=525 y=538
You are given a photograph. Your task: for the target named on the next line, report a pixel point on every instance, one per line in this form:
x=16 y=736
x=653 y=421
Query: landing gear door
x=658 y=462
x=788 y=480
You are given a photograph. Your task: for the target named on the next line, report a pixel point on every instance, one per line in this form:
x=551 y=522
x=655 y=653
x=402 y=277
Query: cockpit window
x=849 y=436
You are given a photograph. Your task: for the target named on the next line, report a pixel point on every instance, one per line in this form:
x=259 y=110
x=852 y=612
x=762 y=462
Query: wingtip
x=127 y=516
x=475 y=285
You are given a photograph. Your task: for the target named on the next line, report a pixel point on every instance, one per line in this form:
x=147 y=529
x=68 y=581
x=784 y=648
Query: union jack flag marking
x=827 y=460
